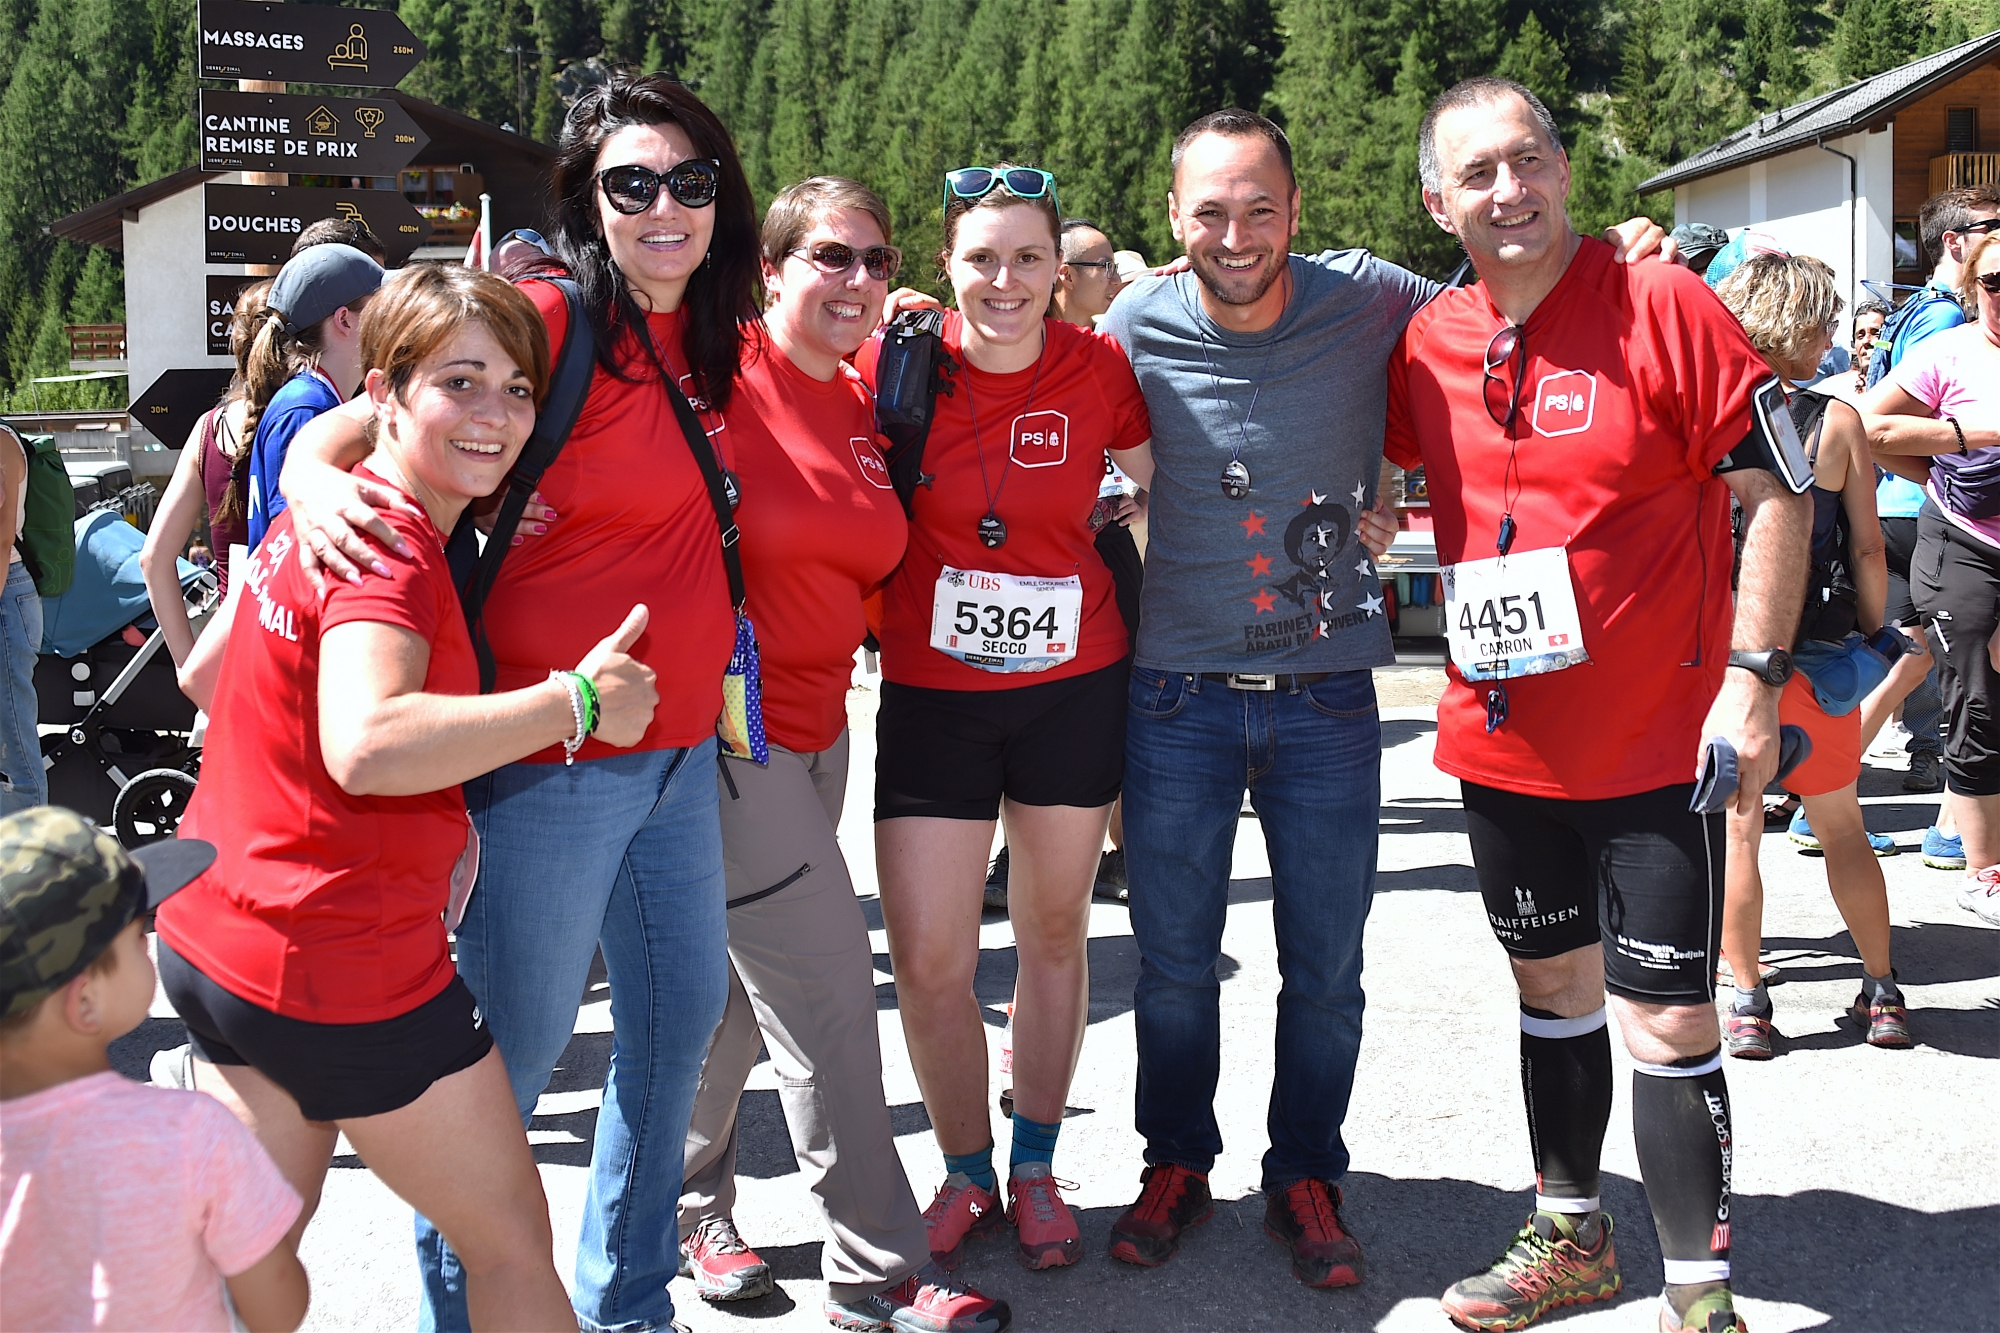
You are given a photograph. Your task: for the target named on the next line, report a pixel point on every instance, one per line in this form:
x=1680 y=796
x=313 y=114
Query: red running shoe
x=927 y=1301
x=1305 y=1218
x=722 y=1266
x=1172 y=1199
x=960 y=1211
x=1047 y=1227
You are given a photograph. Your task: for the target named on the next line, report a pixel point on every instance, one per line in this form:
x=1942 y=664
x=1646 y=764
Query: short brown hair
x=1968 y=283
x=427 y=304
x=997 y=197
x=1236 y=123
x=1784 y=302
x=1950 y=210
x=795 y=210
x=342 y=231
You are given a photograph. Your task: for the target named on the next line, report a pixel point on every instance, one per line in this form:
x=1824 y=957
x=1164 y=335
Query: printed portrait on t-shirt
x=1300 y=601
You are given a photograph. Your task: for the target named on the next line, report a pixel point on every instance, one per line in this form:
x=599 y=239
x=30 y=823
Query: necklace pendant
x=992 y=532
x=1236 y=480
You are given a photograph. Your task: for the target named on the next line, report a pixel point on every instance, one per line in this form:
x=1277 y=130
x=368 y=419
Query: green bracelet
x=589 y=692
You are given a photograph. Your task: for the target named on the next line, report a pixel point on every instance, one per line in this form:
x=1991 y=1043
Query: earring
x=708 y=260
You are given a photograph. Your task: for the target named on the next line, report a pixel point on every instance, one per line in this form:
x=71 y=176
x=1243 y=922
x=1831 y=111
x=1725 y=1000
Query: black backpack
x=911 y=371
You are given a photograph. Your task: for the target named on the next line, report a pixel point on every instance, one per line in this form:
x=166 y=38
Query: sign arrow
x=247 y=39
x=256 y=224
x=335 y=136
x=175 y=401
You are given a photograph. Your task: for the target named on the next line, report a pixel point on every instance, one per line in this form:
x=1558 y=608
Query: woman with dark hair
x=621 y=850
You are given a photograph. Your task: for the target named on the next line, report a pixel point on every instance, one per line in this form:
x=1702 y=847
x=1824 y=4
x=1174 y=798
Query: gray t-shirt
x=1277 y=581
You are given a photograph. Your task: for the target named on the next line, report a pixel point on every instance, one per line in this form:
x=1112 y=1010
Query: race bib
x=1513 y=615
x=1006 y=622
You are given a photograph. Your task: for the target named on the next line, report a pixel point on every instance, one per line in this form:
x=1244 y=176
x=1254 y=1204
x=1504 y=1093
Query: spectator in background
x=1868 y=317
x=342 y=231
x=1087 y=280
x=1699 y=243
x=23 y=783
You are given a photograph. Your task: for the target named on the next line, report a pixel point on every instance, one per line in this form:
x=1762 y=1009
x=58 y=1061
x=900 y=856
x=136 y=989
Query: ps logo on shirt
x=869 y=458
x=1565 y=402
x=1041 y=439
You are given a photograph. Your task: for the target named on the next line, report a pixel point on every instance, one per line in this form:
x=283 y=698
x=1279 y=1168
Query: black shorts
x=335 y=1071
x=1899 y=544
x=1956 y=578
x=1638 y=874
x=952 y=754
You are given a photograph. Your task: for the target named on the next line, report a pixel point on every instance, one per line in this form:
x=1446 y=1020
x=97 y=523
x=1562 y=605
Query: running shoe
x=960 y=1211
x=1305 y=1218
x=927 y=1301
x=173 y=1069
x=1714 y=1312
x=1546 y=1267
x=1980 y=895
x=1172 y=1200
x=1893 y=739
x=1886 y=1022
x=1111 y=883
x=1748 y=1035
x=1047 y=1228
x=996 y=880
x=722 y=1266
x=1801 y=833
x=1926 y=772
x=1943 y=851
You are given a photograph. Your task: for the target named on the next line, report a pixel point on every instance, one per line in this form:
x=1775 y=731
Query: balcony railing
x=1954 y=170
x=93 y=344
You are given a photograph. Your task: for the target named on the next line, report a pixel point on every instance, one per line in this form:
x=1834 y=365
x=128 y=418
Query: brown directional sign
x=361 y=48
x=175 y=401
x=221 y=308
x=335 y=136
x=256 y=224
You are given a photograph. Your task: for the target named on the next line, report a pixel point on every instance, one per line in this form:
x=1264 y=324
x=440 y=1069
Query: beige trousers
x=801 y=972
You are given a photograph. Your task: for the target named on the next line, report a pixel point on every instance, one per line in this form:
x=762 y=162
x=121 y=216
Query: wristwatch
x=1773 y=666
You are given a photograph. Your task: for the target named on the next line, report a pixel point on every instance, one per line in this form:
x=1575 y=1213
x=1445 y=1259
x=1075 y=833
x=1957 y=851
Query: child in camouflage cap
x=127 y=1206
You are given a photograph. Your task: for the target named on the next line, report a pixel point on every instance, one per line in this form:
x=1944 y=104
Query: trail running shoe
x=1942 y=852
x=1305 y=1218
x=1545 y=1268
x=1926 y=772
x=1172 y=1200
x=960 y=1211
x=1980 y=895
x=1748 y=1035
x=722 y=1266
x=1801 y=833
x=1046 y=1226
x=927 y=1301
x=1112 y=885
x=1886 y=1022
x=996 y=881
x=1712 y=1313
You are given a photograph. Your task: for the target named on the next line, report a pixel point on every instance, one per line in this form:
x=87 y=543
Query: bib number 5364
x=1012 y=622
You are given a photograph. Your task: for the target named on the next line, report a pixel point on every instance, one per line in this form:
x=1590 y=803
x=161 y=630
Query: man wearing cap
x=1699 y=243
x=127 y=1206
x=306 y=360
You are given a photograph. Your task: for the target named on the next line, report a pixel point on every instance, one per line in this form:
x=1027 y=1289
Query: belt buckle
x=1236 y=681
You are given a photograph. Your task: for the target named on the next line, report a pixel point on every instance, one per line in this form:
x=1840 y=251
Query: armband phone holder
x=1773 y=443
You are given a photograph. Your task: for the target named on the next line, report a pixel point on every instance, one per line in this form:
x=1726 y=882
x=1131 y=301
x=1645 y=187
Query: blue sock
x=1033 y=1142
x=976 y=1167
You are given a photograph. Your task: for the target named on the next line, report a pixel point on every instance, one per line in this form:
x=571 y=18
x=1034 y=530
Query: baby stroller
x=129 y=751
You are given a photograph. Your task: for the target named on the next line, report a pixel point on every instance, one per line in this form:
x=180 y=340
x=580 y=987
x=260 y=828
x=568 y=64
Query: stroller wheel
x=150 y=807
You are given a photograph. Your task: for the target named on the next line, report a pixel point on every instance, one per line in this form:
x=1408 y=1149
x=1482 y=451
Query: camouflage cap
x=66 y=890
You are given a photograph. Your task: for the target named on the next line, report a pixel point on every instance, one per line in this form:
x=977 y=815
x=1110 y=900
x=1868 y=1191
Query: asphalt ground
x=1867 y=1182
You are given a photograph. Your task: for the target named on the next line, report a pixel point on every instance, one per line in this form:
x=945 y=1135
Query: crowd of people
x=416 y=826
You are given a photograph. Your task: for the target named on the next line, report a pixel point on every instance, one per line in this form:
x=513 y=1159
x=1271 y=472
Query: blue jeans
x=622 y=854
x=23 y=784
x=1312 y=760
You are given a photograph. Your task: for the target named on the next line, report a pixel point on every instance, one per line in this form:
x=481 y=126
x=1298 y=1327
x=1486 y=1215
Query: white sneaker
x=1893 y=739
x=1980 y=895
x=173 y=1069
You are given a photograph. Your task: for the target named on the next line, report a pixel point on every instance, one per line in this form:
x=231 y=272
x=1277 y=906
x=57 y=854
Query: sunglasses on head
x=1989 y=283
x=880 y=262
x=1022 y=182
x=632 y=189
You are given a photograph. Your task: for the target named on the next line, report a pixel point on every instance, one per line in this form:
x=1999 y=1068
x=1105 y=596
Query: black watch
x=1773 y=666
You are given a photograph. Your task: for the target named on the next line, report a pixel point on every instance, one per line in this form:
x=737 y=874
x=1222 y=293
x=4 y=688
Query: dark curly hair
x=720 y=292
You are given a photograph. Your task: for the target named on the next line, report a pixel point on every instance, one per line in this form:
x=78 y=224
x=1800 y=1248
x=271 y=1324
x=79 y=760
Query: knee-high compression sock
x=1033 y=1142
x=1566 y=1082
x=974 y=1166
x=1680 y=1120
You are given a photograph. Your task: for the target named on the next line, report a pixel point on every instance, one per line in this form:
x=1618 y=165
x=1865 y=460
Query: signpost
x=221 y=308
x=360 y=48
x=336 y=136
x=175 y=401
x=256 y=224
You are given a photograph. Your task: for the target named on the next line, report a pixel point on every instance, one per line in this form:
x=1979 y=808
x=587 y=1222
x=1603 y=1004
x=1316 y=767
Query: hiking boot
x=1546 y=1267
x=927 y=1301
x=1943 y=852
x=1980 y=895
x=1046 y=1226
x=1172 y=1199
x=960 y=1211
x=1305 y=1217
x=1112 y=885
x=1886 y=1022
x=1748 y=1035
x=722 y=1266
x=996 y=881
x=1926 y=772
x=1714 y=1312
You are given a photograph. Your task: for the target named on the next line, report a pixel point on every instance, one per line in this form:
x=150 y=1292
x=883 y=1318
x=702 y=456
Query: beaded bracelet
x=574 y=743
x=1959 y=431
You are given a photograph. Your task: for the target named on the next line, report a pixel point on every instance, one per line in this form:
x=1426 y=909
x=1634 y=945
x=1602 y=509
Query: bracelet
x=1959 y=431
x=574 y=743
x=588 y=688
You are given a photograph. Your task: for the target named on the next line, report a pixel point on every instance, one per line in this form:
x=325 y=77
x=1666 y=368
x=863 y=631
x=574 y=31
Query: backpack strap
x=568 y=387
x=912 y=368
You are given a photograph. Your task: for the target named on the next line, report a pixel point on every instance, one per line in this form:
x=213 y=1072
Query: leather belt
x=1237 y=680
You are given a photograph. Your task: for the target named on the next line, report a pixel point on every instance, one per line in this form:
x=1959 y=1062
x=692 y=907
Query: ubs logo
x=1041 y=439
x=868 y=457
x=1565 y=403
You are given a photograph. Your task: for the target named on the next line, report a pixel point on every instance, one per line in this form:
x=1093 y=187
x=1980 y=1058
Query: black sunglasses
x=1508 y=345
x=1983 y=225
x=1989 y=283
x=880 y=262
x=632 y=189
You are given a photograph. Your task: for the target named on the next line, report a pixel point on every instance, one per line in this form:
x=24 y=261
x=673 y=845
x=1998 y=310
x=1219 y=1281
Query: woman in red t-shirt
x=1004 y=669
x=310 y=962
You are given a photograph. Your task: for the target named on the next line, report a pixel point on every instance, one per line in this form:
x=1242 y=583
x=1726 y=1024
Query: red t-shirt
x=633 y=524
x=821 y=527
x=1044 y=463
x=320 y=905
x=1638 y=382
